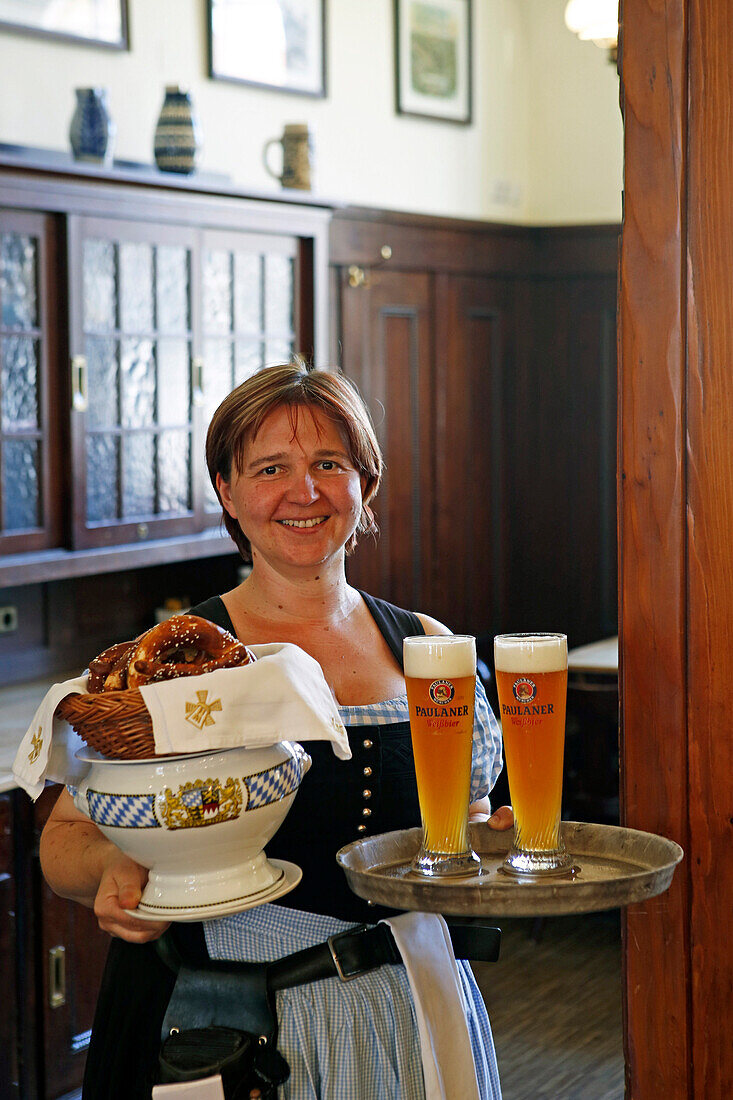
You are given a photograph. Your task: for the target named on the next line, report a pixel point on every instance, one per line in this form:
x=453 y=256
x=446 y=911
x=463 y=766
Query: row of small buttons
x=366 y=793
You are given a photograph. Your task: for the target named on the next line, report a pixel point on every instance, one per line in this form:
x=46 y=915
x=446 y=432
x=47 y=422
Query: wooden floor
x=555 y=1009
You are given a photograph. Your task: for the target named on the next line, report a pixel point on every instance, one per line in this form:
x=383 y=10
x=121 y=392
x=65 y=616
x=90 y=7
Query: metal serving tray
x=614 y=867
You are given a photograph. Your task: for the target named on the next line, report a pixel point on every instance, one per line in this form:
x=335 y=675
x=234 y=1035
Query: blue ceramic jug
x=92 y=130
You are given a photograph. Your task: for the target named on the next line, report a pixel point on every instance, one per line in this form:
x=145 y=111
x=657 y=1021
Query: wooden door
x=388 y=352
x=675 y=526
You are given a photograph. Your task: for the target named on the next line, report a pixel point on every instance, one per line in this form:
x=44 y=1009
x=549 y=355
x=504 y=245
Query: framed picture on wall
x=277 y=44
x=433 y=59
x=89 y=22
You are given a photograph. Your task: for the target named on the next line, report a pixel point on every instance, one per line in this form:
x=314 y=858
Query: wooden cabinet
x=131 y=303
x=128 y=308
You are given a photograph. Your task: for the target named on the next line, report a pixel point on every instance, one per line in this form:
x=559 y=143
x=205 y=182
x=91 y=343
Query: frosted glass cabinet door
x=28 y=506
x=165 y=320
x=248 y=313
x=136 y=425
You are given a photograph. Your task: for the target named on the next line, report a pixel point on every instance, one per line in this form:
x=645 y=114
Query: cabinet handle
x=79 y=392
x=57 y=976
x=358 y=276
x=197 y=381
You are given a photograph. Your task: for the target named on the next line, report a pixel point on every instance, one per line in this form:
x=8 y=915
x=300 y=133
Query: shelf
x=62 y=163
x=53 y=565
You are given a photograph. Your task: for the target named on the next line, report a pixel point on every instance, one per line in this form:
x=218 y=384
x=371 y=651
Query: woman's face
x=298 y=496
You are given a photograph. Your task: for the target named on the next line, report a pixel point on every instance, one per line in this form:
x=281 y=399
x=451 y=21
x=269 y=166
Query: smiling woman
x=295 y=463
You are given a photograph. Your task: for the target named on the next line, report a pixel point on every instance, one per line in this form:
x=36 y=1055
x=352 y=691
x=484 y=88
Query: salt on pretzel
x=184 y=645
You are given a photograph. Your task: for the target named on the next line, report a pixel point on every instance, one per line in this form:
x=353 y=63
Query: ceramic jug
x=177 y=142
x=92 y=130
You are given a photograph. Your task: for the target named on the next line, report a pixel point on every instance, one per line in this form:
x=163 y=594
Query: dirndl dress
x=358 y=1040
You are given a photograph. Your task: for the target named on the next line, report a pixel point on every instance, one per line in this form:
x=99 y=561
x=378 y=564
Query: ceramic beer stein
x=296 y=157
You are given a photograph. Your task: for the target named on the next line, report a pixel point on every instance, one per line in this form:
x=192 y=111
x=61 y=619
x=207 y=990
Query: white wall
x=576 y=130
x=544 y=146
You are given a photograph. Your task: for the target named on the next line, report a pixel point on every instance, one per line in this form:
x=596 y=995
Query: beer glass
x=531 y=680
x=440 y=673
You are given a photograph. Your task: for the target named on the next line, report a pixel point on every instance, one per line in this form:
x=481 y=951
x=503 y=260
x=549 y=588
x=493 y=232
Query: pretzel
x=106 y=665
x=184 y=645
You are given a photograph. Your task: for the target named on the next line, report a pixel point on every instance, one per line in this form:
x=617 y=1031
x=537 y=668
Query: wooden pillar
x=676 y=536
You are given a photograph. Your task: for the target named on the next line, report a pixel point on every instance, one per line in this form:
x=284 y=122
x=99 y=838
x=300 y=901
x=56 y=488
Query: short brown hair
x=241 y=414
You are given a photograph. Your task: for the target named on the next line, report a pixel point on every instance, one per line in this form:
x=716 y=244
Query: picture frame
x=279 y=45
x=433 y=59
x=102 y=23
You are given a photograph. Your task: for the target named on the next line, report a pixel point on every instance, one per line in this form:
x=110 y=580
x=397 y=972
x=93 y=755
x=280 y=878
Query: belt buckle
x=336 y=962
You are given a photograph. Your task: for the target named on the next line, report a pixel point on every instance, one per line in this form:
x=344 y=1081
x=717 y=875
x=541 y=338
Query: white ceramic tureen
x=200 y=823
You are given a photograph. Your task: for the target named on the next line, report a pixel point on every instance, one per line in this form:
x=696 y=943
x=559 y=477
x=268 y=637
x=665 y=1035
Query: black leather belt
x=347 y=954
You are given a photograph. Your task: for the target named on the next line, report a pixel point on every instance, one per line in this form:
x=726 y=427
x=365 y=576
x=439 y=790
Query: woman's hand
x=502 y=818
x=120 y=888
x=79 y=863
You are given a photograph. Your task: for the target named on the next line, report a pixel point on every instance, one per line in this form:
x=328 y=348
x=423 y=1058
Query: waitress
x=295 y=463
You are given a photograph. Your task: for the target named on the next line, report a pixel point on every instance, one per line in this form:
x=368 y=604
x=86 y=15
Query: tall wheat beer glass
x=440 y=673
x=531 y=679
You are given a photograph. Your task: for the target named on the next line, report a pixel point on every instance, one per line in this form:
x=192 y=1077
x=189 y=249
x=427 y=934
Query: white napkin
x=207 y=1088
x=281 y=697
x=48 y=746
x=427 y=952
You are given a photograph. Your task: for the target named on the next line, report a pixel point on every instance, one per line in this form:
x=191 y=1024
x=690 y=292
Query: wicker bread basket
x=115 y=723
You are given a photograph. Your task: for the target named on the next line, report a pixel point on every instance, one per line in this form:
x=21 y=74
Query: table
x=592 y=752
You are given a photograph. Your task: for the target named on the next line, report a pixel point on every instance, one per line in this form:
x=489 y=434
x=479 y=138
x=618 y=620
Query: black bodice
x=332 y=807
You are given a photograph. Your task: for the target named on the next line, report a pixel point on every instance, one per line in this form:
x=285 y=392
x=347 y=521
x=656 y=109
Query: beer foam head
x=530 y=652
x=432 y=656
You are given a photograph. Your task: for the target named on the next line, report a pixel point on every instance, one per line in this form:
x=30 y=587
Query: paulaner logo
x=524 y=689
x=441 y=692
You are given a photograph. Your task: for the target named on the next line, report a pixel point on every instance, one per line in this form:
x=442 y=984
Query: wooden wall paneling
x=424 y=243
x=560 y=413
x=590 y=456
x=471 y=342
x=709 y=531
x=388 y=353
x=652 y=562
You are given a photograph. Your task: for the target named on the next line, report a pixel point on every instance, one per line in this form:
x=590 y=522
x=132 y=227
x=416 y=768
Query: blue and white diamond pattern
x=274 y=784
x=125 y=811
